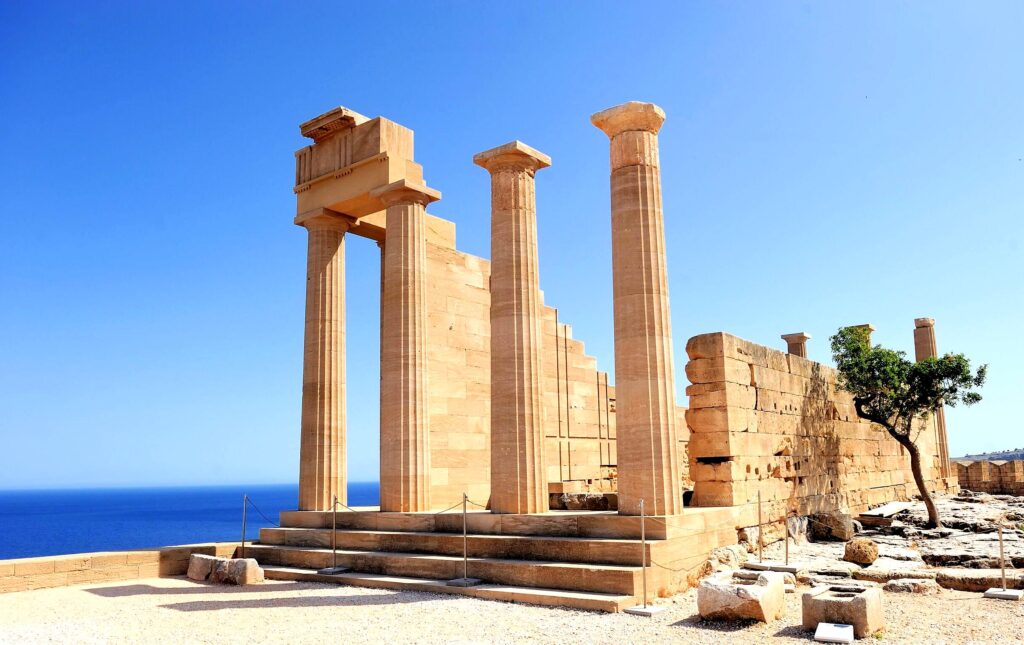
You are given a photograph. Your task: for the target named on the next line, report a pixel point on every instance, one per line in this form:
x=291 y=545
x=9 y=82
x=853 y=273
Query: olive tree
x=899 y=394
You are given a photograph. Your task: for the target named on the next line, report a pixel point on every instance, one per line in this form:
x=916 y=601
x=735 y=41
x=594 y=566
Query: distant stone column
x=404 y=431
x=322 y=472
x=926 y=347
x=796 y=344
x=518 y=471
x=867 y=327
x=648 y=467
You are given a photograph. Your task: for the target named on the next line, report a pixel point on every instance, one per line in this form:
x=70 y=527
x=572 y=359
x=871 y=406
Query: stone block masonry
x=994 y=477
x=25 y=574
x=768 y=423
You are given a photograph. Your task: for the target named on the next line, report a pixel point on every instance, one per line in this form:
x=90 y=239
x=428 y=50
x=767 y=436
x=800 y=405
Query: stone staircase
x=583 y=560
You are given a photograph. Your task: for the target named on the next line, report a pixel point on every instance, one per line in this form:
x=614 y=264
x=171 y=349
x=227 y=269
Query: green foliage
x=892 y=391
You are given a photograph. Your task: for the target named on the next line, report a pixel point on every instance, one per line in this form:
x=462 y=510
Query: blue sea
x=54 y=522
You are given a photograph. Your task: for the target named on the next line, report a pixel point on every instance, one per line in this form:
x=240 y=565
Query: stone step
x=582 y=524
x=590 y=601
x=569 y=576
x=516 y=547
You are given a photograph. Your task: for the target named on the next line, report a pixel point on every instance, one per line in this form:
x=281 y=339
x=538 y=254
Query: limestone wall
x=24 y=574
x=579 y=399
x=995 y=477
x=770 y=423
x=579 y=422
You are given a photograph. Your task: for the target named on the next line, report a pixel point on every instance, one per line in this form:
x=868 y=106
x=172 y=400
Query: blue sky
x=823 y=164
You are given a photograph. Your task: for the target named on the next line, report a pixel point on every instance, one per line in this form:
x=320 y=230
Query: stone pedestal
x=518 y=474
x=926 y=347
x=404 y=431
x=322 y=473
x=648 y=466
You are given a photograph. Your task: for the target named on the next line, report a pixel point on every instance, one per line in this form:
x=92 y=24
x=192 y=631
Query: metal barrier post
x=760 y=531
x=785 y=534
x=245 y=503
x=1002 y=560
x=334 y=569
x=643 y=548
x=465 y=580
x=465 y=540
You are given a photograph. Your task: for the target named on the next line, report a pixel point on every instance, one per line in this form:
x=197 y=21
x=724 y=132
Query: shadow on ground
x=301 y=601
x=199 y=587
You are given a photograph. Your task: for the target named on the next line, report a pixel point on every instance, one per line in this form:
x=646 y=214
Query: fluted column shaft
x=925 y=346
x=322 y=469
x=404 y=421
x=518 y=471
x=648 y=467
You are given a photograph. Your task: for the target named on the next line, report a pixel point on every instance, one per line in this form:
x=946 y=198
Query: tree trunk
x=915 y=466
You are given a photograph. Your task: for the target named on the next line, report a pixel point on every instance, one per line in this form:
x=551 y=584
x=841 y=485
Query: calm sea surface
x=54 y=522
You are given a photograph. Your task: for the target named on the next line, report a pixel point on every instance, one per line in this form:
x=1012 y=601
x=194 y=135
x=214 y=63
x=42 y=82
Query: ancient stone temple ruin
x=485 y=394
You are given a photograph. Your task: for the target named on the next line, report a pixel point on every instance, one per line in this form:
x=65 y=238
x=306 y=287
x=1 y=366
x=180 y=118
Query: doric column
x=645 y=419
x=518 y=472
x=322 y=472
x=926 y=347
x=404 y=431
x=796 y=344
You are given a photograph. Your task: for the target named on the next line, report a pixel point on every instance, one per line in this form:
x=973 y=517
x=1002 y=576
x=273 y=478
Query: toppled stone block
x=244 y=572
x=584 y=501
x=978 y=579
x=725 y=596
x=911 y=585
x=861 y=551
x=845 y=605
x=200 y=566
x=234 y=571
x=831 y=526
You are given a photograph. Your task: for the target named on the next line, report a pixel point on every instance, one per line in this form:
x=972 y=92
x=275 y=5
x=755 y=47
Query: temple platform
x=581 y=559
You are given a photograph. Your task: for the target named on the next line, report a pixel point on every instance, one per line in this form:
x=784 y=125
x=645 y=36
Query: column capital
x=798 y=337
x=796 y=344
x=404 y=191
x=923 y=322
x=514 y=155
x=630 y=116
x=324 y=218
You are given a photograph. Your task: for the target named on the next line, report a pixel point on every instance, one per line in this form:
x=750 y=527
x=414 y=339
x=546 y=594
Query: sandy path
x=180 y=611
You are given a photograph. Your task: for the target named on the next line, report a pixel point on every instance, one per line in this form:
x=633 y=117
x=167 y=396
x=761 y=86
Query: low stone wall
x=995 y=477
x=25 y=574
x=768 y=424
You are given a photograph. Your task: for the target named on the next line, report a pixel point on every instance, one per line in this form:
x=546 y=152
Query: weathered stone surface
x=729 y=557
x=244 y=571
x=978 y=579
x=725 y=596
x=831 y=526
x=911 y=585
x=857 y=606
x=220 y=573
x=861 y=551
x=235 y=571
x=200 y=566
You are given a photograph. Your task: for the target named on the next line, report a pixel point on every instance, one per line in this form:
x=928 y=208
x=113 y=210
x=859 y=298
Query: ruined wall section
x=768 y=423
x=995 y=477
x=579 y=399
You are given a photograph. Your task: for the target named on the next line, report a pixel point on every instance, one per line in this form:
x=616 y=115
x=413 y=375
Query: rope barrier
x=262 y=514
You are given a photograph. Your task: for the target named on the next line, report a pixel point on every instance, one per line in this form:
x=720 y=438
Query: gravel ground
x=172 y=610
